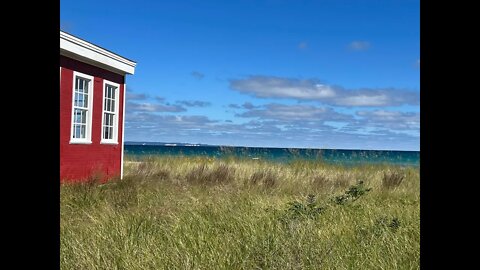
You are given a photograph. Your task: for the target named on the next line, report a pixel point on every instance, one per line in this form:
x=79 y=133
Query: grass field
x=203 y=213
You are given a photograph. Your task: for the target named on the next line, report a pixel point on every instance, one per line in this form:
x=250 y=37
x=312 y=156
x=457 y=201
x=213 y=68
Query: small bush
x=309 y=209
x=352 y=194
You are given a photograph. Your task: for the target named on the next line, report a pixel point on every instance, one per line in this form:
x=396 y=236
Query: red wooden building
x=92 y=109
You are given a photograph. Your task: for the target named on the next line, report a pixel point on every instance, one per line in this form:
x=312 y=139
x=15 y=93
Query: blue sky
x=274 y=73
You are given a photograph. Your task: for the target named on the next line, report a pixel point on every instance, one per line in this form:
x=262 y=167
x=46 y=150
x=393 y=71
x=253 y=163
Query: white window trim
x=123 y=125
x=115 y=118
x=88 y=139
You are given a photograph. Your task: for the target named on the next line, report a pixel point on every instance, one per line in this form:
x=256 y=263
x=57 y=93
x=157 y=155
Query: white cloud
x=363 y=100
x=151 y=107
x=289 y=88
x=288 y=113
x=393 y=120
x=302 y=45
x=194 y=103
x=133 y=96
x=359 y=45
x=269 y=86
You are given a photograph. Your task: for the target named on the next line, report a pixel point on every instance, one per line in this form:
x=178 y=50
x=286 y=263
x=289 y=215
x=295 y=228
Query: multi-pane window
x=82 y=95
x=110 y=112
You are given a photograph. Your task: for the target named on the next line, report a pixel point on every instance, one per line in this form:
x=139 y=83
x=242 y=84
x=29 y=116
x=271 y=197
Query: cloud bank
x=311 y=89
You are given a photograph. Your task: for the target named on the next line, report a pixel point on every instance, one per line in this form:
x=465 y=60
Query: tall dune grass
x=204 y=213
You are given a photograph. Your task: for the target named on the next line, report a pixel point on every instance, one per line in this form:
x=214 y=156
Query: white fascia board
x=72 y=45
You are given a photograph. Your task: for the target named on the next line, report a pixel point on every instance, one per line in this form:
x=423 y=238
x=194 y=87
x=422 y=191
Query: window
x=110 y=112
x=82 y=108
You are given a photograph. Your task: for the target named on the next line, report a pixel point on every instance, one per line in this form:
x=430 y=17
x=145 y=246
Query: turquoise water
x=346 y=157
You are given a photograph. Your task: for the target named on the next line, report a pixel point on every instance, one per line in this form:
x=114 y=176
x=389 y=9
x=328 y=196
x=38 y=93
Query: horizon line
x=310 y=148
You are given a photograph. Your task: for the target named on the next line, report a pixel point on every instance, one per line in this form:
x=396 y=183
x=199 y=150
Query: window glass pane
x=113 y=105
x=76 y=116
x=81 y=84
x=78 y=100
x=77 y=133
x=75 y=103
x=82 y=131
x=86 y=86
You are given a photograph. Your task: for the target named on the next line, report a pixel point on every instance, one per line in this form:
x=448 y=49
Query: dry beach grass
x=204 y=213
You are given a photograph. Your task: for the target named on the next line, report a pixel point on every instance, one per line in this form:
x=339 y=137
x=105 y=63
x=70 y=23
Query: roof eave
x=84 y=51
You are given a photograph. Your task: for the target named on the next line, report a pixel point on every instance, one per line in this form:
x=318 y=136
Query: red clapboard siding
x=80 y=161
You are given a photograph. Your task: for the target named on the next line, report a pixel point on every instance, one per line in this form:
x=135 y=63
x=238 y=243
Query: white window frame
x=88 y=131
x=114 y=139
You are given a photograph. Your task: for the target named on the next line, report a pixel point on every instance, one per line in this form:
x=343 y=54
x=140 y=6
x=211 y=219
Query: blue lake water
x=345 y=157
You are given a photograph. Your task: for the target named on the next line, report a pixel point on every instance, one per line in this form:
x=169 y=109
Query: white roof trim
x=82 y=50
